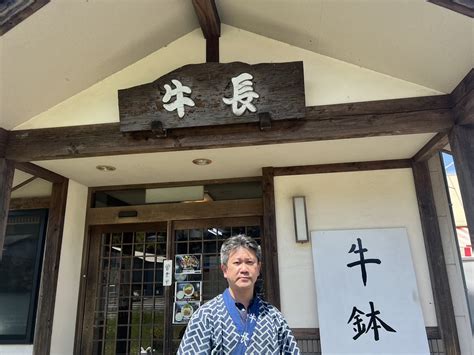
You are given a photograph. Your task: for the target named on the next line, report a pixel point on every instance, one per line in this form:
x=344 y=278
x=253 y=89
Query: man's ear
x=224 y=270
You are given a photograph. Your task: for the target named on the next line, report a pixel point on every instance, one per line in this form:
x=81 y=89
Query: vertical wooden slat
x=270 y=252
x=461 y=140
x=7 y=170
x=436 y=261
x=50 y=269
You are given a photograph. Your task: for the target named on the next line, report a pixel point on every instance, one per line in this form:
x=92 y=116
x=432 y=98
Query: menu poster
x=188 y=291
x=183 y=311
x=188 y=264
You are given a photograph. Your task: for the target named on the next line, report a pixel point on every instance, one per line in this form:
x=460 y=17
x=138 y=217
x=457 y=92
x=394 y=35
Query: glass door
x=203 y=239
x=125 y=298
x=126 y=308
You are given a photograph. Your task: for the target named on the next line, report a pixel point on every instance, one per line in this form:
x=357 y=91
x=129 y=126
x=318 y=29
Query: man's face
x=242 y=269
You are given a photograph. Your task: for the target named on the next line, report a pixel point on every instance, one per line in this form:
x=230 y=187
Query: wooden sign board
x=214 y=94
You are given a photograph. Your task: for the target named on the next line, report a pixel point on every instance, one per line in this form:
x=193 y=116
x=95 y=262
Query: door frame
x=100 y=219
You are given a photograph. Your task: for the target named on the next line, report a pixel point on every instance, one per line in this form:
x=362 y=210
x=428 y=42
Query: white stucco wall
x=327 y=80
x=372 y=199
x=64 y=324
x=452 y=258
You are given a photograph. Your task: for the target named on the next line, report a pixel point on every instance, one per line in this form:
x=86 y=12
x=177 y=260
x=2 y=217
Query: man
x=237 y=321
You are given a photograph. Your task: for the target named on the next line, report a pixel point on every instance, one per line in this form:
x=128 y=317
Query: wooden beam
x=21 y=184
x=4 y=134
x=329 y=122
x=464 y=87
x=343 y=167
x=461 y=140
x=462 y=100
x=212 y=50
x=7 y=171
x=50 y=269
x=436 y=144
x=174 y=211
x=208 y=17
x=313 y=333
x=16 y=16
x=29 y=203
x=270 y=250
x=435 y=255
x=454 y=6
x=38 y=171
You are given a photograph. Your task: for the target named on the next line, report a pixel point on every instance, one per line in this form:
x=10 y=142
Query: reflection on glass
x=134 y=304
x=462 y=232
x=19 y=274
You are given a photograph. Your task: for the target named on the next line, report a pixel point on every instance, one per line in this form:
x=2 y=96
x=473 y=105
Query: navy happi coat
x=214 y=329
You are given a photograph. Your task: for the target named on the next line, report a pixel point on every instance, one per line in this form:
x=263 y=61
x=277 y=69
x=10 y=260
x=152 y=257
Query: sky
x=449 y=164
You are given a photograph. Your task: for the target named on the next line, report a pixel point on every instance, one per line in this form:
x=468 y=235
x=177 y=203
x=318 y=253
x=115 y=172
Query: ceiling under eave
x=67 y=46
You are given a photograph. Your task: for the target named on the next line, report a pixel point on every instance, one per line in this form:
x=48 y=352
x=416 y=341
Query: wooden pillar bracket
x=265 y=121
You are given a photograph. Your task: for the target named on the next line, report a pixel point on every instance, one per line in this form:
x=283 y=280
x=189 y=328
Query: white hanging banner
x=367 y=296
x=167 y=272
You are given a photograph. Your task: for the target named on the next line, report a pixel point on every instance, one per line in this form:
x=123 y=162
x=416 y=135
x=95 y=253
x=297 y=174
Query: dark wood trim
x=168 y=316
x=355 y=120
x=176 y=211
x=464 y=87
x=380 y=107
x=18 y=17
x=50 y=269
x=464 y=110
x=82 y=285
x=4 y=134
x=88 y=289
x=23 y=183
x=306 y=333
x=29 y=203
x=343 y=167
x=462 y=100
x=433 y=333
x=461 y=141
x=208 y=17
x=38 y=171
x=212 y=50
x=270 y=249
x=7 y=170
x=313 y=333
x=451 y=5
x=217 y=222
x=176 y=184
x=435 y=255
x=436 y=144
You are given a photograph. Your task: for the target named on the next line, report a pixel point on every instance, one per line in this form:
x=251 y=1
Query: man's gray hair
x=239 y=241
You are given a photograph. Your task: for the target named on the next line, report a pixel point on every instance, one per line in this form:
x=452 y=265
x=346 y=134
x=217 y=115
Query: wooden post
x=270 y=250
x=436 y=262
x=206 y=12
x=461 y=140
x=50 y=269
x=7 y=170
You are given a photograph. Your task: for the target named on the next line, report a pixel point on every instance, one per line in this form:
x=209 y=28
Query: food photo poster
x=188 y=291
x=183 y=311
x=188 y=264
